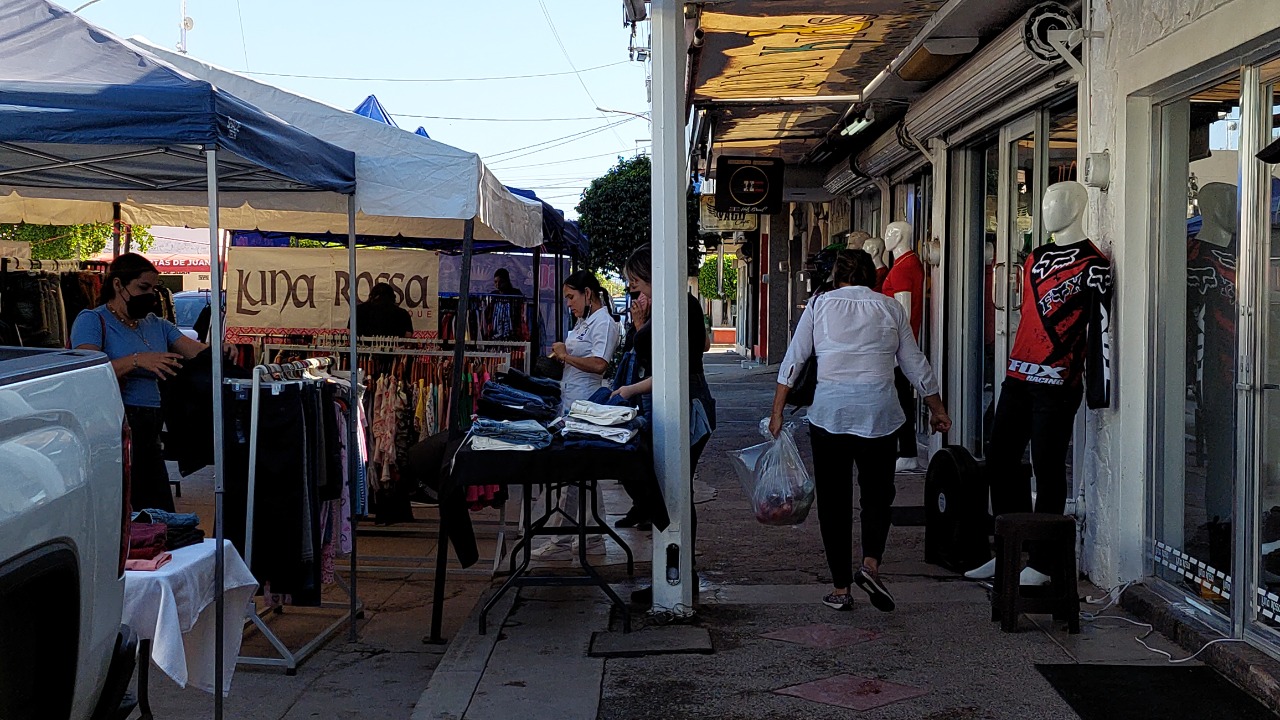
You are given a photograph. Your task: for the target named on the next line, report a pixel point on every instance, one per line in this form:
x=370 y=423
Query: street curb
x=1249 y=668
x=454 y=682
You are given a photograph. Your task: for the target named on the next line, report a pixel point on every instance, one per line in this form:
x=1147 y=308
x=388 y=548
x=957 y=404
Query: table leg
x=595 y=513
x=589 y=487
x=144 y=672
x=516 y=572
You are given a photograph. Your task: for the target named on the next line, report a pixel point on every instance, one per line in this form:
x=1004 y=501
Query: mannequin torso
x=905 y=280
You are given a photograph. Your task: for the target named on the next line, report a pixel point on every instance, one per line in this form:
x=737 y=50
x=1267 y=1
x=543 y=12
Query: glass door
x=1017 y=227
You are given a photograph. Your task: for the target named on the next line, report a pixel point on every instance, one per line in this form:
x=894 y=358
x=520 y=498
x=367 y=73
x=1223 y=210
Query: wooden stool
x=1055 y=537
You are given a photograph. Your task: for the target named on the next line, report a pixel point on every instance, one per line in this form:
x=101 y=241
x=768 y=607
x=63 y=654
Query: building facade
x=1160 y=111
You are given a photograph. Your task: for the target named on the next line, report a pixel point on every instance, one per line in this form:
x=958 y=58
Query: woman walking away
x=857 y=336
x=585 y=354
x=144 y=349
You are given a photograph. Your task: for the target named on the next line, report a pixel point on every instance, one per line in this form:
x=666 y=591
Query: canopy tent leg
x=455 y=419
x=559 y=312
x=353 y=409
x=535 y=331
x=670 y=312
x=219 y=474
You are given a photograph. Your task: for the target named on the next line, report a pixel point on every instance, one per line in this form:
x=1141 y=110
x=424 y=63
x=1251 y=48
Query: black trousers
x=906 y=435
x=1044 y=416
x=149 y=483
x=834 y=455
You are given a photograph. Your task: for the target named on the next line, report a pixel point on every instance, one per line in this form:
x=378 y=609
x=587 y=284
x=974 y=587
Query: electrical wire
x=556 y=34
x=244 y=46
x=615 y=153
x=438 y=80
x=490 y=119
x=1142 y=639
x=554 y=143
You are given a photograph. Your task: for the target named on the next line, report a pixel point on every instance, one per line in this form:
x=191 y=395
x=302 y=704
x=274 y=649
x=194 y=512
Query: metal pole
x=353 y=409
x=559 y=311
x=535 y=331
x=460 y=344
x=115 y=229
x=670 y=309
x=219 y=469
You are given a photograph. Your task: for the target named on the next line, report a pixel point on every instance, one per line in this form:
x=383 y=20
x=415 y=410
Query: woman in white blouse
x=586 y=354
x=858 y=336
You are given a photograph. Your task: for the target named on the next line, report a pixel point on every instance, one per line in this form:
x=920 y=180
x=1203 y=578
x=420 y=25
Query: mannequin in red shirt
x=905 y=283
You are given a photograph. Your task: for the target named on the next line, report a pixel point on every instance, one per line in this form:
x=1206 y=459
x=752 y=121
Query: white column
x=670 y=310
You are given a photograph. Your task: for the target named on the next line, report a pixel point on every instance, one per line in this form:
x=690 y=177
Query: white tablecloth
x=167 y=606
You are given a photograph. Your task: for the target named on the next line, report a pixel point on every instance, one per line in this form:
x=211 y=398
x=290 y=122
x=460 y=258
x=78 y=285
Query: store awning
x=777 y=77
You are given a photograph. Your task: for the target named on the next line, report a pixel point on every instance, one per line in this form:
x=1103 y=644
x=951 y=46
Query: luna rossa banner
x=301 y=290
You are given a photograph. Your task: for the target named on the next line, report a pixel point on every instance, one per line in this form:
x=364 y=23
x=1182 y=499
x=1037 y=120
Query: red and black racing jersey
x=1211 y=296
x=1066 y=306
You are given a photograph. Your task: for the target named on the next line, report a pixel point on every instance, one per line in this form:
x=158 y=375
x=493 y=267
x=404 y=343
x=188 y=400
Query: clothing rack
x=272 y=375
x=520 y=352
x=418 y=527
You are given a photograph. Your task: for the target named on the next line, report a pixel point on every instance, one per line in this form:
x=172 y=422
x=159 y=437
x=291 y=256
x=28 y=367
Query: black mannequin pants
x=1044 y=417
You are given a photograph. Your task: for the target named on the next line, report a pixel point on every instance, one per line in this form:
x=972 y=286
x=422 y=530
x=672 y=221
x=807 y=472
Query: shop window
x=1198 y=249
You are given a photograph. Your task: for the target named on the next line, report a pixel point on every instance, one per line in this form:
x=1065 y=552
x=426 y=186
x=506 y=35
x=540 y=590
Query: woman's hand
x=626 y=392
x=559 y=351
x=939 y=420
x=163 y=365
x=775 y=423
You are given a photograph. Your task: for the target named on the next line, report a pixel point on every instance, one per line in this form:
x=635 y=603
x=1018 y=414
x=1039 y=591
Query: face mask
x=140 y=306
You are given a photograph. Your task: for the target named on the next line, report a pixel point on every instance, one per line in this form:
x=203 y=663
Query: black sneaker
x=631 y=519
x=842 y=602
x=870 y=583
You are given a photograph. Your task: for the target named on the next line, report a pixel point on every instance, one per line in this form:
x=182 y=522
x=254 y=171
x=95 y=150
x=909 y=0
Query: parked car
x=187 y=307
x=63 y=512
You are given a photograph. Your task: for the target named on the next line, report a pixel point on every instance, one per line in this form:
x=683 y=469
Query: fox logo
x=1202 y=278
x=1053 y=260
x=1227 y=259
x=1099 y=279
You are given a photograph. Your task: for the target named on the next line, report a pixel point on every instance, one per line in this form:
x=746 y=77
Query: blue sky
x=436 y=39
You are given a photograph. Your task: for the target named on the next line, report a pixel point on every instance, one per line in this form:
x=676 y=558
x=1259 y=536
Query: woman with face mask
x=144 y=349
x=585 y=354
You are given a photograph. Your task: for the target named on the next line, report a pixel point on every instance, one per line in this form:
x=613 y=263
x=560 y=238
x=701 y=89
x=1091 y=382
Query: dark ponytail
x=126 y=268
x=583 y=281
x=854 y=267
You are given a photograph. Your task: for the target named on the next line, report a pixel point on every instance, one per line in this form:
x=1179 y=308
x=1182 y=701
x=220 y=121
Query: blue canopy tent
x=90 y=126
x=374 y=110
x=422 y=131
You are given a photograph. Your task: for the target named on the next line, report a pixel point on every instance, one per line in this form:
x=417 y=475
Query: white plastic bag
x=773 y=475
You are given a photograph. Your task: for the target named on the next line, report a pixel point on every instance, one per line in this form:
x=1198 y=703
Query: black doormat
x=1134 y=692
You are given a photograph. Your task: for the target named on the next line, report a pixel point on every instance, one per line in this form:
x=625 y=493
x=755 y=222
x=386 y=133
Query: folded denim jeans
x=618 y=434
x=518 y=432
x=498 y=398
x=171 y=519
x=599 y=414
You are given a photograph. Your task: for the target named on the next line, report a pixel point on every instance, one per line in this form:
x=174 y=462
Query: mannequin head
x=875 y=248
x=1218 y=211
x=897 y=237
x=1063 y=207
x=856 y=240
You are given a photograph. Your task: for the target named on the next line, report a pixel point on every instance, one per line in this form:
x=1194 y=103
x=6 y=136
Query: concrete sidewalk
x=777 y=652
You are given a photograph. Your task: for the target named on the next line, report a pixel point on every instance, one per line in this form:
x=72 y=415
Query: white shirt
x=858 y=335
x=596 y=336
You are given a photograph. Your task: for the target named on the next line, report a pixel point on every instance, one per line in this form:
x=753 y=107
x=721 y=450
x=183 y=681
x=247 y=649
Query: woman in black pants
x=858 y=336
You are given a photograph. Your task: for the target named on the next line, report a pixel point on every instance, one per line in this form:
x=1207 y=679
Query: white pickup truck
x=63 y=509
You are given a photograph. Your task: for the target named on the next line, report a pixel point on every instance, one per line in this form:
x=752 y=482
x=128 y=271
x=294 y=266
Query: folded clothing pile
x=542 y=387
x=600 y=425
x=146 y=546
x=503 y=402
x=182 y=528
x=489 y=434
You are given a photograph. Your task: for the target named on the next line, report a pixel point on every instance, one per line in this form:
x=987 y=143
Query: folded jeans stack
x=488 y=434
x=542 y=387
x=619 y=434
x=181 y=528
x=147 y=540
x=503 y=402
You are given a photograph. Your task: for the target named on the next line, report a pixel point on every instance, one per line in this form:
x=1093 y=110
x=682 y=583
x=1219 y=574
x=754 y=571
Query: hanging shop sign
x=711 y=220
x=748 y=185
x=301 y=290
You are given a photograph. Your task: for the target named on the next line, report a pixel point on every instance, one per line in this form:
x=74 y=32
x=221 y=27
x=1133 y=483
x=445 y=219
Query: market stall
x=90 y=124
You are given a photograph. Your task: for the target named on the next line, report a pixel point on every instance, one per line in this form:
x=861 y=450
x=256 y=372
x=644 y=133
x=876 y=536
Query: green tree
x=616 y=213
x=707 y=278
x=71 y=242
